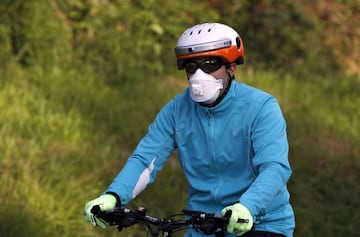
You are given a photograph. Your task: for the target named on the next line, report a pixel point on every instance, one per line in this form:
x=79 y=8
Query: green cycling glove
x=240 y=220
x=106 y=202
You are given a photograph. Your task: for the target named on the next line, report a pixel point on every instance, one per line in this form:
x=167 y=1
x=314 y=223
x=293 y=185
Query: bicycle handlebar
x=207 y=223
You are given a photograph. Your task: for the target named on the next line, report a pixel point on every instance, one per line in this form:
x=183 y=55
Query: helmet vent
x=209 y=29
x=199 y=32
x=238 y=42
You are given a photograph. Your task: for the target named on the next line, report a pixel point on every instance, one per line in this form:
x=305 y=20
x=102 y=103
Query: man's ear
x=231 y=69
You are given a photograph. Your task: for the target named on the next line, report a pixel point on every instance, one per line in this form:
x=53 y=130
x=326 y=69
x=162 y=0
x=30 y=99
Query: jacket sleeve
x=148 y=158
x=270 y=159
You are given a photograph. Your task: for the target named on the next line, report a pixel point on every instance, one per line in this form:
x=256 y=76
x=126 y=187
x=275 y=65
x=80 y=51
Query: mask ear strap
x=231 y=78
x=228 y=66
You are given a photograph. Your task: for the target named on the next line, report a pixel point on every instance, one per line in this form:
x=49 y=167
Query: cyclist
x=231 y=141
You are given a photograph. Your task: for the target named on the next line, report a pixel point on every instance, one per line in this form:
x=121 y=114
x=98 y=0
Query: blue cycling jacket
x=235 y=151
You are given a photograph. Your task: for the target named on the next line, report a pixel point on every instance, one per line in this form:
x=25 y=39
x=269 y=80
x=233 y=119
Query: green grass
x=66 y=133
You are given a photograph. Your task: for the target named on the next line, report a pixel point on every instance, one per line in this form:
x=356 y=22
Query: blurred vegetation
x=80 y=81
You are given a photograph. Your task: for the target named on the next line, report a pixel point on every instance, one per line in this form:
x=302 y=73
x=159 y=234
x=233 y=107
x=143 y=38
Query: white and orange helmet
x=210 y=40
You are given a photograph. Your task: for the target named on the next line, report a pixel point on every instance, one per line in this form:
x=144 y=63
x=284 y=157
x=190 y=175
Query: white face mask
x=204 y=87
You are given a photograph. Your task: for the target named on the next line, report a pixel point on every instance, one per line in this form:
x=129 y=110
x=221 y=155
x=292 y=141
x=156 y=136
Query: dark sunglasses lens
x=191 y=67
x=210 y=66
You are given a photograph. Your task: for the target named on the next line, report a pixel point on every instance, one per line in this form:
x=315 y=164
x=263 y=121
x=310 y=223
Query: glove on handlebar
x=106 y=202
x=240 y=220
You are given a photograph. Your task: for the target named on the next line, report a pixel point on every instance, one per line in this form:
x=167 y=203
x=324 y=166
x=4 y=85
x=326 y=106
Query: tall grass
x=66 y=133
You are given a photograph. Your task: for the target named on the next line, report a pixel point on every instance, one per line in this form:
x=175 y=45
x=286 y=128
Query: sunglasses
x=208 y=65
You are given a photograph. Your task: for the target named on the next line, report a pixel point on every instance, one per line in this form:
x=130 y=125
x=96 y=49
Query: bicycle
x=207 y=223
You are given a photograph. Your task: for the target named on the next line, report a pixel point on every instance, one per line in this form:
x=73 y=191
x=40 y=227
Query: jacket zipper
x=208 y=117
x=211 y=125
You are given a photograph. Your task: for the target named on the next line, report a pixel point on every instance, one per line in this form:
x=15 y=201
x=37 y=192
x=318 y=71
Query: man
x=231 y=141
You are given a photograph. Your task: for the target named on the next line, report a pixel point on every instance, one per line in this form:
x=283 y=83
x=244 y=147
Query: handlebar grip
x=95 y=210
x=240 y=220
x=122 y=217
x=228 y=214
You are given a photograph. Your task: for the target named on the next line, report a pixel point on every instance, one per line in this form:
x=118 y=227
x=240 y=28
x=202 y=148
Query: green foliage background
x=81 y=80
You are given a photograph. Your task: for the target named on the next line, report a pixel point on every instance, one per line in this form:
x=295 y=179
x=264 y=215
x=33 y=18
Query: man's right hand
x=105 y=202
